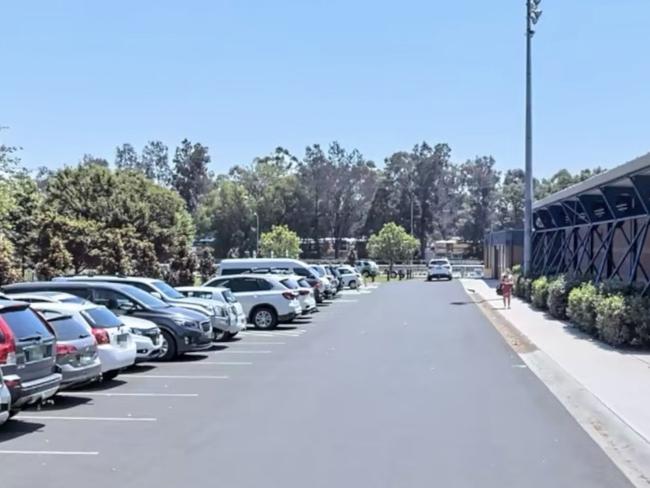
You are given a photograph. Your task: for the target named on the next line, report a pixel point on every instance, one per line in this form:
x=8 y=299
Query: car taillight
x=65 y=349
x=101 y=336
x=288 y=295
x=8 y=344
x=304 y=292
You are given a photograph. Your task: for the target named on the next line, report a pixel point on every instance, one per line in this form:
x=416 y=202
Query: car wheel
x=428 y=278
x=230 y=335
x=264 y=318
x=110 y=375
x=13 y=412
x=365 y=274
x=353 y=285
x=168 y=347
x=219 y=335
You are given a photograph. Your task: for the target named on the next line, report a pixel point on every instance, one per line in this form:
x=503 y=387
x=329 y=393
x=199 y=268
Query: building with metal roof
x=597 y=228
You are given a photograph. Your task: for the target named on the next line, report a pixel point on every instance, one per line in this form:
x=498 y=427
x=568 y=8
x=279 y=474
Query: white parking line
x=101 y=394
x=178 y=377
x=227 y=363
x=249 y=351
x=343 y=300
x=98 y=419
x=255 y=343
x=53 y=453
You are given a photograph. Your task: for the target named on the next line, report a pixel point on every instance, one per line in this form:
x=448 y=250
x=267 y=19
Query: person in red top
x=506 y=287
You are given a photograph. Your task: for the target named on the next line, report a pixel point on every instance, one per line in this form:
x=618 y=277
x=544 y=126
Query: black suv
x=27 y=355
x=182 y=330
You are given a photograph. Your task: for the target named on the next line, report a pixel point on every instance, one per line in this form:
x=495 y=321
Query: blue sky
x=245 y=76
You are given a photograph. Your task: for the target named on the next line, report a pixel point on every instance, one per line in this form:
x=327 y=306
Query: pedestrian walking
x=506 y=285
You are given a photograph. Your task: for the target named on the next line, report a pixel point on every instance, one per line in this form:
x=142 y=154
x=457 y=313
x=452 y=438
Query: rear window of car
x=25 y=323
x=318 y=270
x=73 y=300
x=304 y=283
x=234 y=271
x=102 y=318
x=67 y=328
x=438 y=262
x=290 y=283
x=228 y=296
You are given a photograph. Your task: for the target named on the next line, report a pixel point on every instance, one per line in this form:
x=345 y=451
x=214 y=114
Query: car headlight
x=137 y=331
x=191 y=324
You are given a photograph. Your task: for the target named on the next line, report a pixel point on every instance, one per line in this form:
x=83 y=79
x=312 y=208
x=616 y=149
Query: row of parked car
x=72 y=331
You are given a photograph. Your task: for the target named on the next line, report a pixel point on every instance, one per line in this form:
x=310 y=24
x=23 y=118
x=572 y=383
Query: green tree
x=226 y=214
x=510 y=200
x=182 y=267
x=155 y=163
x=22 y=220
x=392 y=243
x=207 y=266
x=280 y=242
x=191 y=177
x=8 y=271
x=56 y=260
x=126 y=157
x=480 y=179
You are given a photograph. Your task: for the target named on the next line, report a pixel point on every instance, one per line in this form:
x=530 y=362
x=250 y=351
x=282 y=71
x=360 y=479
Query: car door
x=245 y=289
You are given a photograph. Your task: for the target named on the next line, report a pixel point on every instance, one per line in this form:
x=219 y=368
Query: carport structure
x=598 y=228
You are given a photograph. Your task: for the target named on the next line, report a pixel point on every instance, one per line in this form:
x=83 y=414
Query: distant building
x=502 y=250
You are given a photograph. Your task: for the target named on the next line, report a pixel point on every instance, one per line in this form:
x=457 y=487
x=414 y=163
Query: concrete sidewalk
x=619 y=379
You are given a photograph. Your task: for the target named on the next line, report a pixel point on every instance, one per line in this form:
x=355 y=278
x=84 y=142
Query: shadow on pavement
x=17 y=428
x=61 y=403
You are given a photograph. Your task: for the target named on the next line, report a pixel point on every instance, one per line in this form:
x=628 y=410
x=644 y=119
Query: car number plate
x=122 y=338
x=34 y=353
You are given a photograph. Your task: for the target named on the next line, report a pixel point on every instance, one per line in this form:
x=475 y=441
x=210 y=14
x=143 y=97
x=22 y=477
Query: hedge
x=613 y=320
x=559 y=288
x=539 y=292
x=581 y=307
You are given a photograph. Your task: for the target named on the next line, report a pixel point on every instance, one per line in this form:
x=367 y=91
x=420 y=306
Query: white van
x=273 y=265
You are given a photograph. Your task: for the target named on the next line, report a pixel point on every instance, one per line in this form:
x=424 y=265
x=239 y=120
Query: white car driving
x=266 y=301
x=439 y=268
x=115 y=344
x=222 y=295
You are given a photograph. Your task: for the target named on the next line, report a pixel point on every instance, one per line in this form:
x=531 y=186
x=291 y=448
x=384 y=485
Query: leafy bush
x=581 y=307
x=612 y=320
x=516 y=269
x=558 y=295
x=539 y=292
x=516 y=289
x=639 y=314
x=527 y=284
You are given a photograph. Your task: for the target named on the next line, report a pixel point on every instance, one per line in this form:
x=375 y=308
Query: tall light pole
x=533 y=13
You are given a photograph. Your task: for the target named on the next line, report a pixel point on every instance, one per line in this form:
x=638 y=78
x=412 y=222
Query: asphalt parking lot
x=406 y=385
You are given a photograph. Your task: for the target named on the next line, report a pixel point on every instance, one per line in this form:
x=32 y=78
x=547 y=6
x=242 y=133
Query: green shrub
x=516 y=269
x=516 y=289
x=581 y=307
x=612 y=320
x=539 y=292
x=527 y=289
x=558 y=295
x=639 y=314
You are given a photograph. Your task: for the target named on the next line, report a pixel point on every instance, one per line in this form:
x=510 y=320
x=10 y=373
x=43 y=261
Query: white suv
x=265 y=299
x=439 y=268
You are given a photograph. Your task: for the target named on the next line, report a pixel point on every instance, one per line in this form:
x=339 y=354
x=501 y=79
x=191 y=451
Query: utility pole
x=532 y=16
x=257 y=235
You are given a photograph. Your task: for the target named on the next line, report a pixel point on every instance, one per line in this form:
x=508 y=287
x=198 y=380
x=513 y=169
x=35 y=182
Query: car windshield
x=67 y=328
x=145 y=298
x=167 y=290
x=318 y=271
x=101 y=317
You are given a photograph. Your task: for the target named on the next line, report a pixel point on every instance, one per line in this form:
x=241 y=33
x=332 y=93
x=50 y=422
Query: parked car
x=223 y=295
x=223 y=322
x=350 y=277
x=77 y=357
x=115 y=346
x=27 y=355
x=367 y=267
x=295 y=266
x=146 y=334
x=305 y=292
x=439 y=268
x=182 y=330
x=147 y=337
x=266 y=301
x=329 y=287
x=334 y=276
x=47 y=297
x=5 y=400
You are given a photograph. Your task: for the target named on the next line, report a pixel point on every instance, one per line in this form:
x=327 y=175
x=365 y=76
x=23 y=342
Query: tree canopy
x=392 y=243
x=280 y=242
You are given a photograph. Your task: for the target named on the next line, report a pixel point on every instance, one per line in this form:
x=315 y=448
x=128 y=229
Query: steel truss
x=601 y=234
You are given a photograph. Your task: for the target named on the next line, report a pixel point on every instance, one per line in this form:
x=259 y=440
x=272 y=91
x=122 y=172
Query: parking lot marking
x=222 y=363
x=102 y=394
x=98 y=419
x=260 y=344
x=244 y=351
x=177 y=377
x=53 y=453
x=343 y=300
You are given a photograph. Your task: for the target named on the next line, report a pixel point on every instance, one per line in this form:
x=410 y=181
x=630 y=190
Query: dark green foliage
x=558 y=295
x=581 y=307
x=207 y=266
x=539 y=292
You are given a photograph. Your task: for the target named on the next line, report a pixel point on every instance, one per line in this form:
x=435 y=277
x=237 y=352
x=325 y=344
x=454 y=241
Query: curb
x=627 y=449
